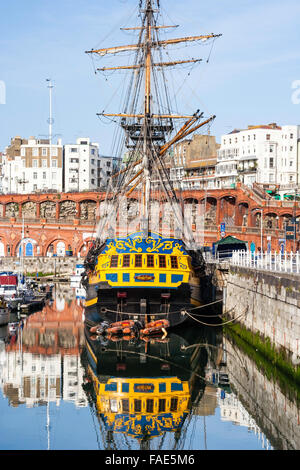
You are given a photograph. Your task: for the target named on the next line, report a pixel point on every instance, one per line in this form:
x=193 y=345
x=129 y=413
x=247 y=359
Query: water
x=50 y=372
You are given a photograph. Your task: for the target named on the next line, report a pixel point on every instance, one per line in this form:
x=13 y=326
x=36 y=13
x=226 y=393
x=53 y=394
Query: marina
x=196 y=389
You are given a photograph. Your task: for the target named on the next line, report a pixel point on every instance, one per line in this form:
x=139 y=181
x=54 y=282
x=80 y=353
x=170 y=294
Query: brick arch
x=87 y=243
x=67 y=209
x=29 y=209
x=26 y=239
x=54 y=241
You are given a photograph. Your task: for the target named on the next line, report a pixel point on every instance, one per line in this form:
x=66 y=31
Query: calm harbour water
x=48 y=396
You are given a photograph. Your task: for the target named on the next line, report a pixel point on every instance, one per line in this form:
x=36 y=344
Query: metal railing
x=287 y=262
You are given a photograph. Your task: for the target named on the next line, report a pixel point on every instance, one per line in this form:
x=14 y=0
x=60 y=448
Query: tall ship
x=145 y=264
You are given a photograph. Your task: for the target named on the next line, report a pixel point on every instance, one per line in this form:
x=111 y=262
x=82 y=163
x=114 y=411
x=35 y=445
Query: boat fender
x=114 y=331
x=158 y=324
x=122 y=324
x=150 y=331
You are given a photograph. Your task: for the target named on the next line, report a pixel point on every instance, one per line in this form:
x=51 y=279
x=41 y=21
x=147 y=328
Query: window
x=54 y=152
x=173 y=406
x=138 y=261
x=126 y=261
x=162 y=261
x=114 y=261
x=161 y=405
x=271 y=162
x=149 y=406
x=23 y=152
x=44 y=175
x=107 y=163
x=35 y=152
x=34 y=163
x=268 y=137
x=54 y=163
x=44 y=163
x=35 y=176
x=54 y=176
x=150 y=261
x=44 y=152
x=73 y=150
x=137 y=406
x=174 y=262
x=125 y=406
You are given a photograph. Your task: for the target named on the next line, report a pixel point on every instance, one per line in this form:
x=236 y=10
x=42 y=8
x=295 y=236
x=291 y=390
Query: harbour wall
x=267 y=303
x=57 y=266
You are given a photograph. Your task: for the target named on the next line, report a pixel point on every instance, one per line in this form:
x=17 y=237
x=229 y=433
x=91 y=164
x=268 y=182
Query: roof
x=230 y=240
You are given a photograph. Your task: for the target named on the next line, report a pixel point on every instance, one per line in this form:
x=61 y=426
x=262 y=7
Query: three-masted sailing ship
x=144 y=264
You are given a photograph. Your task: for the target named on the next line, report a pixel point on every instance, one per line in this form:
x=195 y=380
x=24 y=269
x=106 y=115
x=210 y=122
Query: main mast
x=148 y=133
x=147 y=121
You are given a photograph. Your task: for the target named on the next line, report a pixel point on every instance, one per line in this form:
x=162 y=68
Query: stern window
x=162 y=261
x=150 y=261
x=174 y=262
x=174 y=402
x=126 y=261
x=137 y=406
x=161 y=405
x=138 y=261
x=114 y=261
x=125 y=406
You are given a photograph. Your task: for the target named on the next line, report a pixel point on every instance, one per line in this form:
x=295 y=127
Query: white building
x=81 y=166
x=32 y=165
x=263 y=154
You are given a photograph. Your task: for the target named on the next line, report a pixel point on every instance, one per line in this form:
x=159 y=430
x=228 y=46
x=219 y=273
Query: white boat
x=76 y=278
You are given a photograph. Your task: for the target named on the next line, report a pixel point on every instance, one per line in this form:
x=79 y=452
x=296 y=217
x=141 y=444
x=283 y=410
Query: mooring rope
x=104 y=310
x=220 y=324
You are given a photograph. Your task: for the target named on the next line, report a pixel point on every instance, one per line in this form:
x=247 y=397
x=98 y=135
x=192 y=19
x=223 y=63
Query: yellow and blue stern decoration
x=139 y=261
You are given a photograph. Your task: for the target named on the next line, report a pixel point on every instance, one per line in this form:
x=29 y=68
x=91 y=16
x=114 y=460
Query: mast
x=147 y=121
x=148 y=129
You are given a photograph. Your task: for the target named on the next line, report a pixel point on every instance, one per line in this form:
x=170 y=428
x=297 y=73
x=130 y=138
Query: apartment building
x=32 y=165
x=265 y=154
x=84 y=168
x=193 y=162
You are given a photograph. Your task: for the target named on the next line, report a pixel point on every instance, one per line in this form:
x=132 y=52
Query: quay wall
x=267 y=303
x=40 y=264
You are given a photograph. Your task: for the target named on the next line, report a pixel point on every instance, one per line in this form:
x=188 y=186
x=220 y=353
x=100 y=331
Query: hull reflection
x=143 y=389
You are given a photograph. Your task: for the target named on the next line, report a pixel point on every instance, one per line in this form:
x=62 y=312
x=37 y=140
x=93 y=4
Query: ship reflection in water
x=192 y=389
x=144 y=389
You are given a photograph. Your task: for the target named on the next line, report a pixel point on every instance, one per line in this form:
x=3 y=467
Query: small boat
x=77 y=276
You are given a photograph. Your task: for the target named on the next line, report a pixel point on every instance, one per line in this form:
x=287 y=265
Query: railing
x=271 y=261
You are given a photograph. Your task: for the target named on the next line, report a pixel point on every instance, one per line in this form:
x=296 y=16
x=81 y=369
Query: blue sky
x=248 y=79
